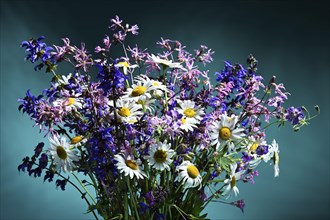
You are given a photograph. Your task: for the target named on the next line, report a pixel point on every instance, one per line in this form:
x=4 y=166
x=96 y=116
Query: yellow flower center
x=189 y=112
x=192 y=171
x=224 y=133
x=155 y=83
x=139 y=90
x=183 y=120
x=125 y=64
x=254 y=147
x=160 y=156
x=61 y=153
x=71 y=101
x=233 y=182
x=132 y=164
x=276 y=158
x=124 y=112
x=76 y=139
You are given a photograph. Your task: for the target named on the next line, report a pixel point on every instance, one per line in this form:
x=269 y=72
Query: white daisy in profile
x=127 y=110
x=224 y=132
x=189 y=174
x=188 y=109
x=160 y=156
x=126 y=67
x=231 y=181
x=69 y=104
x=166 y=63
x=276 y=157
x=129 y=166
x=62 y=153
x=188 y=124
x=140 y=90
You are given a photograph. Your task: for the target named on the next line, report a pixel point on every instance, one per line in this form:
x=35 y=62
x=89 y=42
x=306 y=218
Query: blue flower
x=37 y=50
x=294 y=115
x=262 y=149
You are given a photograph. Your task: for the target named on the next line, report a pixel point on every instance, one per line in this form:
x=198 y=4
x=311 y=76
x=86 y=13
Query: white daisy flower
x=129 y=167
x=189 y=174
x=188 y=109
x=224 y=132
x=140 y=90
x=231 y=181
x=126 y=66
x=69 y=104
x=276 y=157
x=62 y=153
x=167 y=63
x=160 y=156
x=155 y=87
x=127 y=110
x=188 y=124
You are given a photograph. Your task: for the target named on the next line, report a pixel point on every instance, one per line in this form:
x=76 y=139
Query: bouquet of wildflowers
x=149 y=134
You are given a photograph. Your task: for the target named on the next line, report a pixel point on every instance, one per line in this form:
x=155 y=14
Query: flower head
x=129 y=166
x=160 y=156
x=225 y=131
x=189 y=174
x=231 y=181
x=62 y=153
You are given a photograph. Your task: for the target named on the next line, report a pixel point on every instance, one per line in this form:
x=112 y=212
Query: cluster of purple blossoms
x=150 y=133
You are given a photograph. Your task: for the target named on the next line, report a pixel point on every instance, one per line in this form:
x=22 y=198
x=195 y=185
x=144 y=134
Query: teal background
x=289 y=38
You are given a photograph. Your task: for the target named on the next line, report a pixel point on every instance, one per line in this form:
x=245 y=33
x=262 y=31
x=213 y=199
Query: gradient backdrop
x=289 y=38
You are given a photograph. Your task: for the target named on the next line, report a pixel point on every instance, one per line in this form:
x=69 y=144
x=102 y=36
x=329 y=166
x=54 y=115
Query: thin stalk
x=133 y=199
x=82 y=185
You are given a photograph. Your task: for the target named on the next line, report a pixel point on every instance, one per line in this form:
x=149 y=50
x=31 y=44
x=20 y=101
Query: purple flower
x=116 y=22
x=37 y=49
x=294 y=115
x=262 y=149
x=239 y=204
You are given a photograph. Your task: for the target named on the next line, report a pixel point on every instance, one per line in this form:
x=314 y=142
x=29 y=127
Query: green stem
x=133 y=199
x=83 y=186
x=125 y=207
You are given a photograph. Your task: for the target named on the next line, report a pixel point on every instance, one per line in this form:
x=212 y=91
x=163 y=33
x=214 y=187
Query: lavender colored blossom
x=294 y=115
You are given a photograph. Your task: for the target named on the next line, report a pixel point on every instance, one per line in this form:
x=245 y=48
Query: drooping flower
x=231 y=181
x=129 y=166
x=189 y=174
x=126 y=66
x=166 y=63
x=160 y=156
x=276 y=157
x=225 y=131
x=62 y=153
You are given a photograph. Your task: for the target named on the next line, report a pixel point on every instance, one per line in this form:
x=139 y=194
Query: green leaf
x=225 y=161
